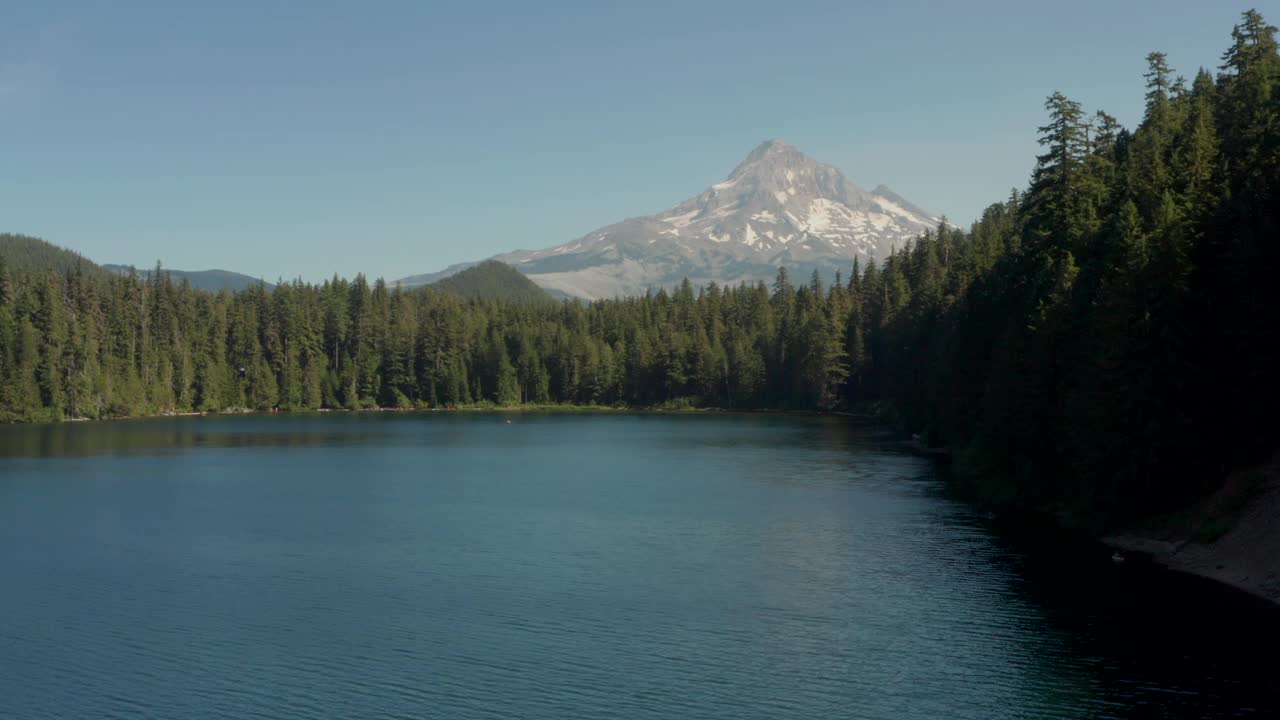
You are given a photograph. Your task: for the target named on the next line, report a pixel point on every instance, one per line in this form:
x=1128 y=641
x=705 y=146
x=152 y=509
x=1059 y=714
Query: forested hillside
x=211 y=280
x=1106 y=338
x=24 y=254
x=492 y=280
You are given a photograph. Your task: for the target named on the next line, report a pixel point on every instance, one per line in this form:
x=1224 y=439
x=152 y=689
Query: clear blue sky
x=288 y=139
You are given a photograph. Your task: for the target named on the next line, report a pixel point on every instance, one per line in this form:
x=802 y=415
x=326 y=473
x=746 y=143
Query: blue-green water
x=454 y=566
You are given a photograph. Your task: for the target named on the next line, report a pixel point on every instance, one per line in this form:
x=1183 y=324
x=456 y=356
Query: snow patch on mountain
x=778 y=207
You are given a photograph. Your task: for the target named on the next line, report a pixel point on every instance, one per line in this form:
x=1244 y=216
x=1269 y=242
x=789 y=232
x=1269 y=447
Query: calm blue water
x=450 y=565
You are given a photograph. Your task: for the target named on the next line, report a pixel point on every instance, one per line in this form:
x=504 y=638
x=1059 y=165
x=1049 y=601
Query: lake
x=596 y=566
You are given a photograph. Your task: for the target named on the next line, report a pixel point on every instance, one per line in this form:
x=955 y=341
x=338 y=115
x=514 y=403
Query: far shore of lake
x=516 y=409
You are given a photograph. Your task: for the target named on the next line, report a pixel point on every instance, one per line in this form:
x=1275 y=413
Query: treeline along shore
x=1105 y=339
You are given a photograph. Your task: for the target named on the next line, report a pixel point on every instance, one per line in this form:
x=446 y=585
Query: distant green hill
x=27 y=254
x=211 y=280
x=23 y=253
x=492 y=280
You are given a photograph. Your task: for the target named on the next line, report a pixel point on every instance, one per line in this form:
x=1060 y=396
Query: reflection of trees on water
x=158 y=436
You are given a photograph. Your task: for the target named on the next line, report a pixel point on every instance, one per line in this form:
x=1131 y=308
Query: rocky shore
x=1232 y=537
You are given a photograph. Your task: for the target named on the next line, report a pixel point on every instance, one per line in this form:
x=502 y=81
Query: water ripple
x=603 y=567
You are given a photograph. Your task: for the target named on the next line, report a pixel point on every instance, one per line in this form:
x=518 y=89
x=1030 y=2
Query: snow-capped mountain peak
x=777 y=207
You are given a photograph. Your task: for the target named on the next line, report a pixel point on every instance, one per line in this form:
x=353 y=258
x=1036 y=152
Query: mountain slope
x=492 y=280
x=211 y=280
x=778 y=207
x=28 y=254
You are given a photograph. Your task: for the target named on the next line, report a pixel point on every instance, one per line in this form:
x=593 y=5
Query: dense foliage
x=1099 y=338
x=1108 y=338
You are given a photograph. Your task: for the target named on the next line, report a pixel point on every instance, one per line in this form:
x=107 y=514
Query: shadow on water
x=1159 y=643
x=904 y=580
x=1197 y=644
x=1151 y=642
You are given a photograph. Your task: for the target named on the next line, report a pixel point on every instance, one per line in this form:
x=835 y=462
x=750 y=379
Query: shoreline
x=1232 y=537
x=1202 y=562
x=549 y=408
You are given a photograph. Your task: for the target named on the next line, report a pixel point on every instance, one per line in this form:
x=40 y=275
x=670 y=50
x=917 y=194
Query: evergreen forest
x=1105 y=336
